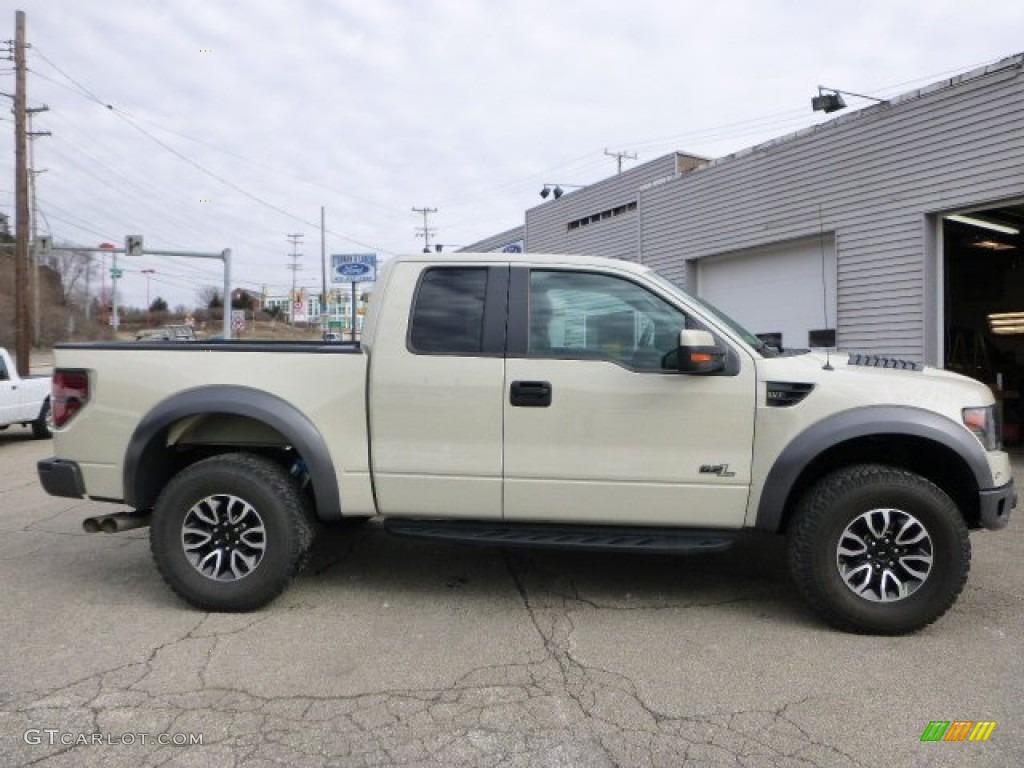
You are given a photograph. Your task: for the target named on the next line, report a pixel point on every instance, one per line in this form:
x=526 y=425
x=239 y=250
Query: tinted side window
x=448 y=313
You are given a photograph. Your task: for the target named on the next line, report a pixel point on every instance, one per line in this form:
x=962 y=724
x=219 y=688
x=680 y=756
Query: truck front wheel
x=230 y=532
x=878 y=550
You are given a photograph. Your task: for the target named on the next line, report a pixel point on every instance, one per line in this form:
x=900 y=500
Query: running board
x=591 y=538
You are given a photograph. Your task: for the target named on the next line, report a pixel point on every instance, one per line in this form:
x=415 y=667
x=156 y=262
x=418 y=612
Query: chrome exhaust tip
x=122 y=521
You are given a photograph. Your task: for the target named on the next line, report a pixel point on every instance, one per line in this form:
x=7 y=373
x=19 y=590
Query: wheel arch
x=912 y=438
x=149 y=464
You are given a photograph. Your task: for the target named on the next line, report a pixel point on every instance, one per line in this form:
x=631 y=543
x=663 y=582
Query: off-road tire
x=254 y=483
x=41 y=426
x=835 y=506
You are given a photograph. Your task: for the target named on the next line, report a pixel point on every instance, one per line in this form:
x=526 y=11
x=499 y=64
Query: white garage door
x=777 y=289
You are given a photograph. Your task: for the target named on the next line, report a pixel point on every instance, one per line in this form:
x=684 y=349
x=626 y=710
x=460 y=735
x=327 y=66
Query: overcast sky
x=207 y=124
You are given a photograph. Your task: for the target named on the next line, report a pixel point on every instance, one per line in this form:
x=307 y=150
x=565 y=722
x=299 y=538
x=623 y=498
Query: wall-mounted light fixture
x=556 y=189
x=831 y=99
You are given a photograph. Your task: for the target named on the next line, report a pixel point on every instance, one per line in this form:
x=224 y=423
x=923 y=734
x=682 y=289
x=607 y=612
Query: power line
x=198 y=166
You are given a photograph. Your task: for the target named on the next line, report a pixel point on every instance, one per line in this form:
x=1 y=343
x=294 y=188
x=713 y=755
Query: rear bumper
x=996 y=506
x=61 y=478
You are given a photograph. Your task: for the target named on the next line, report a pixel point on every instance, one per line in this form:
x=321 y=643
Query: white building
x=306 y=307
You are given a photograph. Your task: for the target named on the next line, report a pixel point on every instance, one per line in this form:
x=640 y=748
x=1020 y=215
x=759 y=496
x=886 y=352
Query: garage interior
x=984 y=304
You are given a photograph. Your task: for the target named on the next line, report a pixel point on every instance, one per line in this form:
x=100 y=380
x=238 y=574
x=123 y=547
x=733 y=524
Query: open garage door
x=780 y=292
x=984 y=304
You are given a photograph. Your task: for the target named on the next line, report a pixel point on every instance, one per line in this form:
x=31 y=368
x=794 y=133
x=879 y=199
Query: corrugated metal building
x=839 y=234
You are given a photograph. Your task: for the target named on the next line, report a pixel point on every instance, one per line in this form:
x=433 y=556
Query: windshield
x=718 y=314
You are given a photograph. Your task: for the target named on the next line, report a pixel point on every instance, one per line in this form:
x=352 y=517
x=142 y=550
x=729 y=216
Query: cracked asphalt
x=394 y=652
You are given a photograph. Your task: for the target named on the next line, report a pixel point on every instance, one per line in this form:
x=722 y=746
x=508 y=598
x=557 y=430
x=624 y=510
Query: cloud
x=271 y=110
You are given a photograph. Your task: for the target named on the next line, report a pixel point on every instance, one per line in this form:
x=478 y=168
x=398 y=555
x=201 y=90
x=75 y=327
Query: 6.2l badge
x=722 y=470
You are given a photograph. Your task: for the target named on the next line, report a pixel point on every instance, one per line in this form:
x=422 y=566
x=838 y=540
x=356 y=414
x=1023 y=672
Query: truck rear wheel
x=878 y=550
x=230 y=532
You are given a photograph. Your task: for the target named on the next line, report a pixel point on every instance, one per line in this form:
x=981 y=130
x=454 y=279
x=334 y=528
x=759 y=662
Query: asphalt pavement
x=396 y=652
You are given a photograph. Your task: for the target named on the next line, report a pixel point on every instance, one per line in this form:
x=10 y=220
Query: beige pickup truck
x=537 y=400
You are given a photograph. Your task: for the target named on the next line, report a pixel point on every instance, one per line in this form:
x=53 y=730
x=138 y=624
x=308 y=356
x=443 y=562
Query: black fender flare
x=147 y=464
x=869 y=421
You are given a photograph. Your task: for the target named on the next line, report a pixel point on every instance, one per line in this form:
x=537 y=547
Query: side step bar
x=591 y=538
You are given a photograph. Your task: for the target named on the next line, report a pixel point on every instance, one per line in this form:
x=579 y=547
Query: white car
x=23 y=401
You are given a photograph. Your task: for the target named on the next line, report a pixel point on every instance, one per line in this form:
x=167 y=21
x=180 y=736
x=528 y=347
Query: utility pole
x=620 y=156
x=425 y=231
x=294 y=267
x=21 y=325
x=324 y=314
x=32 y=173
x=88 y=287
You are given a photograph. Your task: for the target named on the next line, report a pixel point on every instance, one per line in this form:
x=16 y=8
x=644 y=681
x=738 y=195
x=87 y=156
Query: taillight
x=69 y=394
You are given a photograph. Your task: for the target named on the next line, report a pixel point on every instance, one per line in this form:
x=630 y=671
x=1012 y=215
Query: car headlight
x=984 y=423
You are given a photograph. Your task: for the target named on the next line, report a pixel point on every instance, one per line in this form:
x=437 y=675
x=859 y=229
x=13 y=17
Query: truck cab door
x=597 y=430
x=436 y=389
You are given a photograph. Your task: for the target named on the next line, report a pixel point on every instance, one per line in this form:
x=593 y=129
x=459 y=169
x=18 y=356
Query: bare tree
x=209 y=296
x=73 y=269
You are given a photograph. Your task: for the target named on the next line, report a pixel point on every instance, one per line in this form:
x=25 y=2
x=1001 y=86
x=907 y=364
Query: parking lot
x=395 y=652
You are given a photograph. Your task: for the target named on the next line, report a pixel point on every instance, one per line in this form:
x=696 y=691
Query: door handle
x=530 y=394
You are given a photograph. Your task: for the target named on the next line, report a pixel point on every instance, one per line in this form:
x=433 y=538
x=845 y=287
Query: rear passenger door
x=436 y=392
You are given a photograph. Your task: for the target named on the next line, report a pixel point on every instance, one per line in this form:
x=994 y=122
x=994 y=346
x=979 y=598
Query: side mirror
x=698 y=353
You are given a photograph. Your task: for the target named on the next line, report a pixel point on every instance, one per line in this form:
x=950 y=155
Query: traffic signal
x=133 y=245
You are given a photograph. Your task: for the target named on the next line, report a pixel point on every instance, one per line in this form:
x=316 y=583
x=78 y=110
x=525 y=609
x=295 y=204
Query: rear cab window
x=459 y=311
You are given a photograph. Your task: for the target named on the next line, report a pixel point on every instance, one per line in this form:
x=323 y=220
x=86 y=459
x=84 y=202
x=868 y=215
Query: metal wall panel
x=876 y=176
x=548 y=224
x=495 y=242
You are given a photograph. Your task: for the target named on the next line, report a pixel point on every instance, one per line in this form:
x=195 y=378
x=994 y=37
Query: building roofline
x=552 y=259
x=1009 y=62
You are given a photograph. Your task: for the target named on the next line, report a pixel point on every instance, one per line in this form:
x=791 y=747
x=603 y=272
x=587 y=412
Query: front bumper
x=996 y=505
x=61 y=478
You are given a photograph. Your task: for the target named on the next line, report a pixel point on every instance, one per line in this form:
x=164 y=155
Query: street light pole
x=103 y=278
x=149 y=307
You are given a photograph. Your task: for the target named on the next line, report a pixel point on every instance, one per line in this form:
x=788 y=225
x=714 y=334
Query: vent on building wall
x=594 y=218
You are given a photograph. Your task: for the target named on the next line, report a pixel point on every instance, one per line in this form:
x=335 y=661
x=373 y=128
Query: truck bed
x=321 y=385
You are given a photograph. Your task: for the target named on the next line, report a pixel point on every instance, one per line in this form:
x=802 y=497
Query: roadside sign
x=133 y=245
x=353 y=267
x=238 y=319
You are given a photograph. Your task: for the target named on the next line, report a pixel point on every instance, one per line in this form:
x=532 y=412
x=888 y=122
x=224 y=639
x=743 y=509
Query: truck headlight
x=984 y=423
